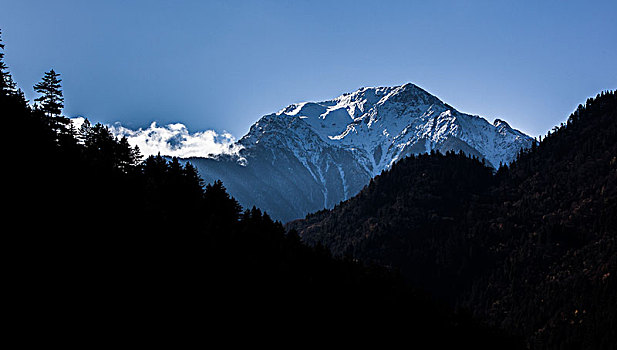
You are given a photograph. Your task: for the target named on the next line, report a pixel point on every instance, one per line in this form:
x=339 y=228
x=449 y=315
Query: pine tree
x=85 y=130
x=193 y=176
x=124 y=155
x=136 y=155
x=51 y=101
x=7 y=85
x=226 y=210
x=3 y=68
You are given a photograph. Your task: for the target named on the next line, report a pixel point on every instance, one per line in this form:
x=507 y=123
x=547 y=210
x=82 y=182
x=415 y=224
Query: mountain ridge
x=325 y=152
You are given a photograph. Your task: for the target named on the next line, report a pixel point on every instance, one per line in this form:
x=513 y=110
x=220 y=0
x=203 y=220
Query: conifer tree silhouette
x=3 y=67
x=52 y=100
x=7 y=85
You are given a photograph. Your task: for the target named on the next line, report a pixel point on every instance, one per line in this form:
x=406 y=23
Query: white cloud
x=77 y=122
x=175 y=140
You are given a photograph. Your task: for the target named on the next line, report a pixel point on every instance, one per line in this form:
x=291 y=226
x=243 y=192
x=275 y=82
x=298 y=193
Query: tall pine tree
x=7 y=85
x=51 y=100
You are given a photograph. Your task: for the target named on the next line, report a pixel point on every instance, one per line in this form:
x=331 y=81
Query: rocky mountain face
x=312 y=155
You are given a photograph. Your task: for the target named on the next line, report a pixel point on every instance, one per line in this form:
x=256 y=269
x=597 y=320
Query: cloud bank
x=175 y=140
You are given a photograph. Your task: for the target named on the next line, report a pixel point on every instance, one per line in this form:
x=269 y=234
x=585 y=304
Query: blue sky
x=223 y=64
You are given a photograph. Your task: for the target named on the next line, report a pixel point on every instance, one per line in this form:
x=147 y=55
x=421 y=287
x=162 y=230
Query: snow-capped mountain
x=312 y=155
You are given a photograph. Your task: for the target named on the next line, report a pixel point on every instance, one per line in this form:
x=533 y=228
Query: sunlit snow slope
x=312 y=155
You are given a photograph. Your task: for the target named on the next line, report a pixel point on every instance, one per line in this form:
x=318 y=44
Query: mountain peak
x=386 y=124
x=500 y=122
x=328 y=150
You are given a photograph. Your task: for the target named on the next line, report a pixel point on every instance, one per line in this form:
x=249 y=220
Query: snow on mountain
x=385 y=124
x=312 y=155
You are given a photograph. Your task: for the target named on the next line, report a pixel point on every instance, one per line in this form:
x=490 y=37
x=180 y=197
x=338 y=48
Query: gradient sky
x=223 y=64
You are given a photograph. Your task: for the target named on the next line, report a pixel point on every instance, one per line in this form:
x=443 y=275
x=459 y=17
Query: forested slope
x=530 y=248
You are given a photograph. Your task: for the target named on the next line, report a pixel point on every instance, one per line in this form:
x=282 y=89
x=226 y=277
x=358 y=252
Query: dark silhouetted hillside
x=531 y=248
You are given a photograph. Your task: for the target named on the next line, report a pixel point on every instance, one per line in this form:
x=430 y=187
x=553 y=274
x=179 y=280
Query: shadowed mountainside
x=531 y=248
